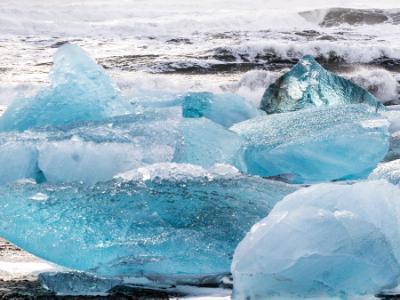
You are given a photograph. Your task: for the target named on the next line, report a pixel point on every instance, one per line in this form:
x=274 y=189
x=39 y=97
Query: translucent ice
x=224 y=109
x=326 y=240
x=89 y=152
x=166 y=220
x=77 y=283
x=314 y=145
x=80 y=90
x=17 y=160
x=205 y=143
x=388 y=170
x=308 y=84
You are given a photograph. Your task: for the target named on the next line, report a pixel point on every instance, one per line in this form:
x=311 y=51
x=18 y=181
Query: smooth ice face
x=205 y=143
x=90 y=152
x=308 y=84
x=388 y=170
x=18 y=160
x=80 y=90
x=326 y=240
x=224 y=109
x=163 y=221
x=98 y=151
x=315 y=145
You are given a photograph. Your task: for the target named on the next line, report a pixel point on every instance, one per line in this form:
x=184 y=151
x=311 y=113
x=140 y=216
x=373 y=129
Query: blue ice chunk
x=206 y=143
x=90 y=152
x=80 y=90
x=18 y=160
x=315 y=145
x=308 y=84
x=326 y=240
x=160 y=221
x=77 y=283
x=387 y=170
x=224 y=109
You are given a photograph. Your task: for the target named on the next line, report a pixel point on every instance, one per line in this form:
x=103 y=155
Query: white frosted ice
x=388 y=170
x=89 y=162
x=178 y=172
x=17 y=160
x=326 y=240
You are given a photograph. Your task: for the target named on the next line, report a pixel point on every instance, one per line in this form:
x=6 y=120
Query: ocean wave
x=346 y=51
x=381 y=83
x=271 y=55
x=252 y=85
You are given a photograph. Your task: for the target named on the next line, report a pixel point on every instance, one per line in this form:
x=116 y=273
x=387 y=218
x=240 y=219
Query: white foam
x=382 y=83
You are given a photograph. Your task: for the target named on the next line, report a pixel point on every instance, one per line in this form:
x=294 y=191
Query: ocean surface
x=157 y=49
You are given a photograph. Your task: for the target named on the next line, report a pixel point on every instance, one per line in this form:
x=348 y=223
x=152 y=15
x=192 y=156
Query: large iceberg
x=308 y=84
x=224 y=109
x=80 y=90
x=315 y=145
x=388 y=170
x=162 y=221
x=326 y=240
x=90 y=152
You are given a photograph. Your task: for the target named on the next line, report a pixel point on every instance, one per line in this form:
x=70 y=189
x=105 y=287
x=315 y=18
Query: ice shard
x=164 y=221
x=308 y=84
x=224 y=109
x=326 y=240
x=387 y=170
x=80 y=90
x=315 y=145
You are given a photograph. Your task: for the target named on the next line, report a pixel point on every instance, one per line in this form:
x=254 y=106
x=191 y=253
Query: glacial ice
x=205 y=143
x=308 y=84
x=80 y=90
x=224 y=109
x=387 y=170
x=90 y=152
x=18 y=160
x=326 y=240
x=394 y=148
x=315 y=145
x=78 y=283
x=162 y=221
